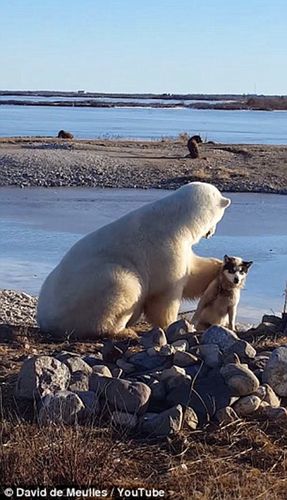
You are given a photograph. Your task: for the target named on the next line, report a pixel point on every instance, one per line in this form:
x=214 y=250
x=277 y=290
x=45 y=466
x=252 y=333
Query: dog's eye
x=241 y=271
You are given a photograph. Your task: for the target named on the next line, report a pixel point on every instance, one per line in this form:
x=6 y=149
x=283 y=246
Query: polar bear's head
x=204 y=206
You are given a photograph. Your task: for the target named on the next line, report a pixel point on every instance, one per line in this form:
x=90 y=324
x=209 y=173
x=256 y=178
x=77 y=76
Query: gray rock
x=178 y=330
x=183 y=359
x=143 y=361
x=266 y=393
x=239 y=379
x=93 y=359
x=247 y=405
x=158 y=390
x=226 y=415
x=154 y=338
x=205 y=395
x=64 y=355
x=211 y=355
x=172 y=382
x=162 y=424
x=180 y=345
x=126 y=396
x=153 y=351
x=275 y=320
x=174 y=371
x=243 y=349
x=220 y=336
x=275 y=372
x=79 y=382
x=77 y=364
x=123 y=419
x=259 y=363
x=125 y=366
x=98 y=383
x=278 y=414
x=92 y=406
x=40 y=376
x=102 y=370
x=166 y=350
x=61 y=407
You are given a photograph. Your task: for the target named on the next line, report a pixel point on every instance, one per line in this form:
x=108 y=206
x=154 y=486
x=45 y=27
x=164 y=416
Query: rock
x=243 y=349
x=231 y=358
x=190 y=418
x=178 y=330
x=278 y=414
x=226 y=415
x=40 y=376
x=77 y=364
x=64 y=355
x=275 y=372
x=220 y=336
x=174 y=371
x=79 y=382
x=259 y=363
x=155 y=338
x=94 y=359
x=117 y=372
x=266 y=394
x=153 y=351
x=275 y=320
x=211 y=355
x=172 y=382
x=125 y=366
x=102 y=370
x=98 y=383
x=265 y=328
x=166 y=350
x=110 y=352
x=247 y=405
x=183 y=359
x=162 y=424
x=61 y=407
x=239 y=379
x=204 y=395
x=143 y=361
x=92 y=406
x=158 y=390
x=126 y=396
x=180 y=345
x=123 y=419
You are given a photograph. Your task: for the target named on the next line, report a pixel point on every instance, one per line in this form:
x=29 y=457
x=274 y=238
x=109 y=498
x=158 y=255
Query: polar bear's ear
x=225 y=202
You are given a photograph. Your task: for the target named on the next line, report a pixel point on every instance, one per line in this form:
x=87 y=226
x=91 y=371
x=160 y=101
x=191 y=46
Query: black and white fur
x=218 y=305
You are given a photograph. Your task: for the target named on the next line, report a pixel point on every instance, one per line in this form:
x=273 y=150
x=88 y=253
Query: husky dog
x=218 y=304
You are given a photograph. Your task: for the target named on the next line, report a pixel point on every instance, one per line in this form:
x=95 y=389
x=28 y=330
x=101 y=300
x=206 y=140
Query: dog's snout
x=236 y=280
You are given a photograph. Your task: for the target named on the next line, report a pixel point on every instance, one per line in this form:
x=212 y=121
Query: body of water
x=249 y=127
x=38 y=226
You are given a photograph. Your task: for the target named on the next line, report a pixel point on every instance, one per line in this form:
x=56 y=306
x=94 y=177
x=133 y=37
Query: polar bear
x=141 y=263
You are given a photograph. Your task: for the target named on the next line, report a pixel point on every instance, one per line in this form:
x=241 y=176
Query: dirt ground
x=162 y=164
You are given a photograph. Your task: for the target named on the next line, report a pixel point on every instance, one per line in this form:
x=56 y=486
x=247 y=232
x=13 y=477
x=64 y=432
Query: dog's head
x=235 y=269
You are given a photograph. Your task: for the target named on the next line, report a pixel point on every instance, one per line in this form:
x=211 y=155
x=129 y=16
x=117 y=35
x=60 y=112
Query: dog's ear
x=247 y=263
x=226 y=259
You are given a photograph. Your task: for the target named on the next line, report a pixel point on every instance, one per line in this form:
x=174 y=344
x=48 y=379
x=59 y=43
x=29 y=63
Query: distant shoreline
x=89 y=100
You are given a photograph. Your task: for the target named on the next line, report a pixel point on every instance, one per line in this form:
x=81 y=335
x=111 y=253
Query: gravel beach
x=165 y=164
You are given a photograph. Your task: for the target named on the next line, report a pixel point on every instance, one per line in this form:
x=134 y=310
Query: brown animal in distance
x=192 y=146
x=65 y=135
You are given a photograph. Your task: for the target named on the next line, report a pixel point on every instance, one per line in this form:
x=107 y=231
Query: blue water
x=250 y=127
x=37 y=227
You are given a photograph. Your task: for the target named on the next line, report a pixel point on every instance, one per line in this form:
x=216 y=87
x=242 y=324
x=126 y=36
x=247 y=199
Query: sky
x=175 y=46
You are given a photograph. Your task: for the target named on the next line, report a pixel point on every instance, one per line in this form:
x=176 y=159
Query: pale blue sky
x=206 y=46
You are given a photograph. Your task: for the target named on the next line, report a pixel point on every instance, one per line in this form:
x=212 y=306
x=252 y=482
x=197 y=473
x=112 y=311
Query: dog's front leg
x=231 y=317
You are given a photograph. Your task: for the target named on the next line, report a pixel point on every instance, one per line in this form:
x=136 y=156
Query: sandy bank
x=162 y=164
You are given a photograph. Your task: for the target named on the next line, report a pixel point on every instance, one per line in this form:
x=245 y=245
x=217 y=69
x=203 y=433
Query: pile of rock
x=169 y=380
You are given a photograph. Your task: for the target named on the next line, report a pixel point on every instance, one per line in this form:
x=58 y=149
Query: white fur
x=142 y=262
